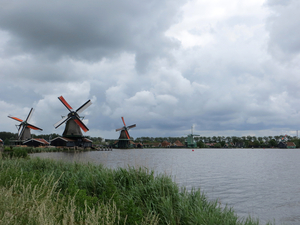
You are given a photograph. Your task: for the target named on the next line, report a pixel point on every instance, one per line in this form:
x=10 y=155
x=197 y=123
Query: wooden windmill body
x=73 y=121
x=24 y=127
x=124 y=139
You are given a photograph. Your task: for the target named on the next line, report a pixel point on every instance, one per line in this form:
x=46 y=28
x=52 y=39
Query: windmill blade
x=122 y=128
x=33 y=127
x=123 y=121
x=81 y=124
x=83 y=107
x=21 y=131
x=65 y=103
x=64 y=119
x=131 y=126
x=29 y=115
x=15 y=118
x=126 y=132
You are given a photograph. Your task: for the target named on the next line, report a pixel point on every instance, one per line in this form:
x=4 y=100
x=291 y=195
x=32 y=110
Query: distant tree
x=277 y=138
x=273 y=143
x=270 y=138
x=289 y=138
x=200 y=144
x=197 y=139
x=214 y=139
x=7 y=135
x=246 y=143
x=97 y=140
x=222 y=143
x=159 y=139
x=297 y=142
x=217 y=145
x=235 y=139
x=47 y=137
x=228 y=139
x=208 y=139
x=256 y=143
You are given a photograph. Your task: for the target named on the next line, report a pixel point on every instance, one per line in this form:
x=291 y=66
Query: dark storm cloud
x=89 y=30
x=220 y=78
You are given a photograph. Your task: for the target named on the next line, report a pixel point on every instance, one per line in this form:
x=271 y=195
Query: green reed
x=73 y=193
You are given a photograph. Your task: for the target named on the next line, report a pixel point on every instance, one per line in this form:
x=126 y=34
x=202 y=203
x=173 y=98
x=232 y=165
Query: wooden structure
x=178 y=144
x=36 y=142
x=72 y=135
x=282 y=144
x=24 y=128
x=190 y=142
x=290 y=145
x=71 y=142
x=124 y=140
x=165 y=144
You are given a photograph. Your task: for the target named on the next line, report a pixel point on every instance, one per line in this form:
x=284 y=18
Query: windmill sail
x=73 y=121
x=25 y=126
x=124 y=138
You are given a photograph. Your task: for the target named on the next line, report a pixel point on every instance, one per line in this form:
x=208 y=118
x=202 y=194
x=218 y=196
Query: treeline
x=233 y=141
x=159 y=139
x=218 y=141
x=247 y=141
x=7 y=136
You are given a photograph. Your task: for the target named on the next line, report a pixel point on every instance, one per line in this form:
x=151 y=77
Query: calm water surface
x=262 y=183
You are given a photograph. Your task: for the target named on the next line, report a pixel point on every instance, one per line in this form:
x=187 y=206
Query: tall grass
x=36 y=191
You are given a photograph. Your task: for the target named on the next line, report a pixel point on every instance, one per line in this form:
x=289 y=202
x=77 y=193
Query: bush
x=18 y=153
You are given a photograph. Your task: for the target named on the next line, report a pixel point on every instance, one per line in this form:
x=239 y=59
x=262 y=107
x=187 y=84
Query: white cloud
x=224 y=66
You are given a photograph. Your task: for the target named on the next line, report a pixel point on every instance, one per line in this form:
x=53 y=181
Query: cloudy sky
x=228 y=68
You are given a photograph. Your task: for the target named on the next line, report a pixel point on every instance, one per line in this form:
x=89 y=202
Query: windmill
x=73 y=120
x=25 y=126
x=124 y=139
x=190 y=142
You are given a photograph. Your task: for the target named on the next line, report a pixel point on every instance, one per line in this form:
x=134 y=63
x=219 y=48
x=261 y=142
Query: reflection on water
x=263 y=183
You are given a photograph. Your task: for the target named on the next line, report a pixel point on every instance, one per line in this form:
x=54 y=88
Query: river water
x=262 y=183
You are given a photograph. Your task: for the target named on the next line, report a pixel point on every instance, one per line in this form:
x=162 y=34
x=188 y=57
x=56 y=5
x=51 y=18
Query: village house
x=178 y=144
x=282 y=144
x=210 y=145
x=138 y=145
x=165 y=144
x=290 y=145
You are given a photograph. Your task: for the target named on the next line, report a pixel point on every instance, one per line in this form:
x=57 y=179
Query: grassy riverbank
x=36 y=191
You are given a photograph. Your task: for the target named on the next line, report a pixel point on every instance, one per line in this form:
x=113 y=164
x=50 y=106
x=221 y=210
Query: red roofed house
x=290 y=145
x=165 y=144
x=178 y=144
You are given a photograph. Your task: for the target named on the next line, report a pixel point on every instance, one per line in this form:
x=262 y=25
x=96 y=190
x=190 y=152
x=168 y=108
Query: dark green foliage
x=200 y=144
x=135 y=192
x=6 y=136
x=273 y=143
x=15 y=153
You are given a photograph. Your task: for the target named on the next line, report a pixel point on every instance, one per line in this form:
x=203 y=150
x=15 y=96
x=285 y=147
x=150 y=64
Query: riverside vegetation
x=218 y=141
x=43 y=191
